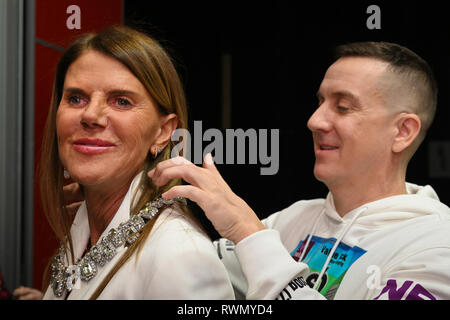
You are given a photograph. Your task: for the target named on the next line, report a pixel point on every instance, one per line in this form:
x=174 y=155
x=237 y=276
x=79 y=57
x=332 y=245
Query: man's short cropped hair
x=411 y=69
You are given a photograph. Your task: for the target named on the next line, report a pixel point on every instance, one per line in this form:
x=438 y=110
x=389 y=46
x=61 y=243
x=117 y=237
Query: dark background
x=280 y=52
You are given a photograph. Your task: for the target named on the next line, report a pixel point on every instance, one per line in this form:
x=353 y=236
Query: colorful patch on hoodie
x=315 y=257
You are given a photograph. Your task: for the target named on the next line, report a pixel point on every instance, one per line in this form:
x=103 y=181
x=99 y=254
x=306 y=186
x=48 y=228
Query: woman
x=116 y=101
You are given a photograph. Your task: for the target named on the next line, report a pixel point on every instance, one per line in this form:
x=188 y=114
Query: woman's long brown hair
x=150 y=63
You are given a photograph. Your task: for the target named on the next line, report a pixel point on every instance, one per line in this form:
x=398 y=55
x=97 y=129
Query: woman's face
x=106 y=122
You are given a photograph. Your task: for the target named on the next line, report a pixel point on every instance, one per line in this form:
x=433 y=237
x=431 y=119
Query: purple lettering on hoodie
x=391 y=289
x=419 y=293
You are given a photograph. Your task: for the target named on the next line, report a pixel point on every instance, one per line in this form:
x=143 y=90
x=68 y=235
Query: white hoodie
x=393 y=248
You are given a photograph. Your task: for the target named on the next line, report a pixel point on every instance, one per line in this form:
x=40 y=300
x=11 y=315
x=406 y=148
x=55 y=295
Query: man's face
x=352 y=128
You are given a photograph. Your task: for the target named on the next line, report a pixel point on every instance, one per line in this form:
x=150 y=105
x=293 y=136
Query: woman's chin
x=87 y=180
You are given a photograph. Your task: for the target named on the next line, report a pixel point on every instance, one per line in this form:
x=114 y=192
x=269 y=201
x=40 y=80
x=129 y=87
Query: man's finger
x=189 y=173
x=186 y=191
x=208 y=162
x=177 y=161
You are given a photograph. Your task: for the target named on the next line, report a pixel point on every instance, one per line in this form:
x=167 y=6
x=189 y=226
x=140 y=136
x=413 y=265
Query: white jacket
x=393 y=248
x=178 y=261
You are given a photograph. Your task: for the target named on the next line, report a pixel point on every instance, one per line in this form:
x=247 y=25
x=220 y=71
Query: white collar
x=80 y=231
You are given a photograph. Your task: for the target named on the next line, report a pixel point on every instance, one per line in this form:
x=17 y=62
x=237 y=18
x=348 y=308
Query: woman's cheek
x=61 y=123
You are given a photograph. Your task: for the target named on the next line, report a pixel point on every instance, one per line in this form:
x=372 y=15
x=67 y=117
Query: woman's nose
x=94 y=115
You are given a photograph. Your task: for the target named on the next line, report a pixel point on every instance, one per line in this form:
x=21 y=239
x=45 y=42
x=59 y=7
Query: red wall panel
x=52 y=33
x=51 y=18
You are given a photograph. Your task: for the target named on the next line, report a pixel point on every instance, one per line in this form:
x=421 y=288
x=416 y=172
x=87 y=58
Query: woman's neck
x=101 y=208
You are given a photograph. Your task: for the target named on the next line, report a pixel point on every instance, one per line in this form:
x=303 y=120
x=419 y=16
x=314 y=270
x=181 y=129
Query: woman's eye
x=122 y=102
x=75 y=100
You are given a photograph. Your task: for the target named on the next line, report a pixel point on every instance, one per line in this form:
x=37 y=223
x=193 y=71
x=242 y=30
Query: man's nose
x=319 y=120
x=94 y=114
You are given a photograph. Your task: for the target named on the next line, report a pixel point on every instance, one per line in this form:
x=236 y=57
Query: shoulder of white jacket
x=173 y=231
x=173 y=218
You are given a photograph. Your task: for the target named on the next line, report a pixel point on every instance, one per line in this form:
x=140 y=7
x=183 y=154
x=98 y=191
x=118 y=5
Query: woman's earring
x=66 y=174
x=157 y=151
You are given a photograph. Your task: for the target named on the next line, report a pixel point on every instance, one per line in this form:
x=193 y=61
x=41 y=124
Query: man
x=374 y=236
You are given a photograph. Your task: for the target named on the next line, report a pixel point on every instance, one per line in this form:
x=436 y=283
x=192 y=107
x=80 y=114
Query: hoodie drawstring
x=305 y=248
x=336 y=244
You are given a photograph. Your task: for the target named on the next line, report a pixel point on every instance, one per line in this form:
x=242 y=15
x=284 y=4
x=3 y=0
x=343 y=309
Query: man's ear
x=408 y=127
x=168 y=125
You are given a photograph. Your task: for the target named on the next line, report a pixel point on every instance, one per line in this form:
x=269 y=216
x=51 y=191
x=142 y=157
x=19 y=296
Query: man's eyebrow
x=348 y=95
x=343 y=94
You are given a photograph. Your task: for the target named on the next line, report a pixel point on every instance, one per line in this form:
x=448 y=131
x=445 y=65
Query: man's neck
x=351 y=196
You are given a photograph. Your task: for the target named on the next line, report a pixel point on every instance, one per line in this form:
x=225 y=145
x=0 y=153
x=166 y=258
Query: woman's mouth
x=92 y=146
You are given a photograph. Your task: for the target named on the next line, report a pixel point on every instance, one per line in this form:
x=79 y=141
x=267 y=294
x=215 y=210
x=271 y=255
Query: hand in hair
x=230 y=215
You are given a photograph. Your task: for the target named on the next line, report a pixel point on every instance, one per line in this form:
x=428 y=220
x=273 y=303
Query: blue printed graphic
x=315 y=257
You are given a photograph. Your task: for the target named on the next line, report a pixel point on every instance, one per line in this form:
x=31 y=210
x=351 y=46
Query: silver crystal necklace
x=65 y=277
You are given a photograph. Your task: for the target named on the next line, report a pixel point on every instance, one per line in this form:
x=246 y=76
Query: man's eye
x=342 y=109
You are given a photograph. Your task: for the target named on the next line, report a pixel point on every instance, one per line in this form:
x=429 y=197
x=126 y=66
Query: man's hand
x=229 y=214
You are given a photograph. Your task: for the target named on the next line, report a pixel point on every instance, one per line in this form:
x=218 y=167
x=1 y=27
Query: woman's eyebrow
x=112 y=91
x=120 y=92
x=75 y=90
